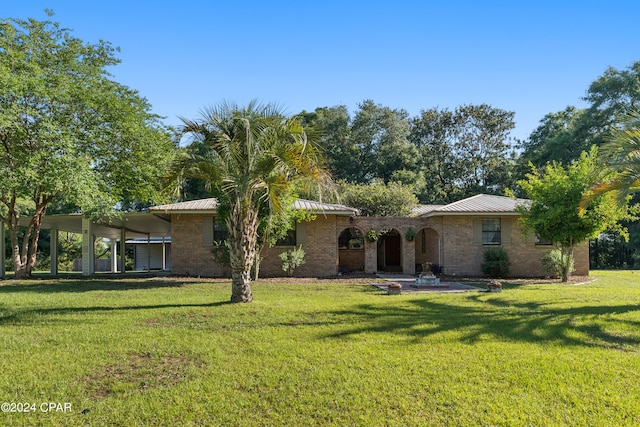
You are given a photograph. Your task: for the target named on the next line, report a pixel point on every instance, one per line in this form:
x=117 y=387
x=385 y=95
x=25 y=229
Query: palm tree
x=255 y=157
x=622 y=156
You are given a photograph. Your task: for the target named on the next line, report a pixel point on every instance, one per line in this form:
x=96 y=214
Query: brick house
x=450 y=237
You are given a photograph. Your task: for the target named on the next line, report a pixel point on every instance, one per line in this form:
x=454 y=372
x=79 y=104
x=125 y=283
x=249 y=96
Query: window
x=351 y=238
x=220 y=232
x=289 y=239
x=491 y=231
x=542 y=242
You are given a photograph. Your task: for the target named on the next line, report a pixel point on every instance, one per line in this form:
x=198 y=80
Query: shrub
x=220 y=251
x=496 y=263
x=552 y=262
x=292 y=259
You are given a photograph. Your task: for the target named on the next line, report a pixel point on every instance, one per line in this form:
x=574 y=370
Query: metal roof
x=211 y=205
x=319 y=207
x=422 y=210
x=481 y=204
x=157 y=223
x=201 y=206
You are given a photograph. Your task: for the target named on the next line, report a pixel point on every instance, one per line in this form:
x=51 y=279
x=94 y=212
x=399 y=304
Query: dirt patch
x=139 y=372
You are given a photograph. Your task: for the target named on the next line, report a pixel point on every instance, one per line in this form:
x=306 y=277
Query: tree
x=379 y=199
x=381 y=134
x=432 y=132
x=463 y=152
x=334 y=127
x=622 y=158
x=554 y=212
x=564 y=135
x=559 y=137
x=256 y=157
x=68 y=133
x=613 y=96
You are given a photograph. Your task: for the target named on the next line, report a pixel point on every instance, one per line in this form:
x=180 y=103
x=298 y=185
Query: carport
x=117 y=229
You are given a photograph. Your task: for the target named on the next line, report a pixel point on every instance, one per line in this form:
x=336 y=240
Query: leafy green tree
x=333 y=125
x=554 y=212
x=482 y=133
x=463 y=152
x=564 y=135
x=68 y=133
x=433 y=133
x=379 y=199
x=381 y=134
x=612 y=96
x=559 y=137
x=256 y=157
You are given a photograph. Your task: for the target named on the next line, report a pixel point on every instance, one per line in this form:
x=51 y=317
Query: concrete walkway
x=407 y=281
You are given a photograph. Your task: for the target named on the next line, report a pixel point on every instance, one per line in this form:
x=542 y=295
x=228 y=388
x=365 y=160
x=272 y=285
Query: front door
x=392 y=250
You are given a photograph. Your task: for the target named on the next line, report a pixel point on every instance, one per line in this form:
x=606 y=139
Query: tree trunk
x=19 y=259
x=19 y=265
x=567 y=258
x=243 y=238
x=24 y=259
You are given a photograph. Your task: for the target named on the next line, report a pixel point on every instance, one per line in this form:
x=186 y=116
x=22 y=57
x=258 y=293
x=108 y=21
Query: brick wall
x=462 y=256
x=191 y=252
x=449 y=241
x=320 y=243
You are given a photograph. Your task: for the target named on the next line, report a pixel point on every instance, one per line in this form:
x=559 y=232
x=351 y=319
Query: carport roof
x=157 y=222
x=136 y=224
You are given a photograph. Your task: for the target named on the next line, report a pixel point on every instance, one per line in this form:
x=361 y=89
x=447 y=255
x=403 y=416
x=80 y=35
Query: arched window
x=351 y=238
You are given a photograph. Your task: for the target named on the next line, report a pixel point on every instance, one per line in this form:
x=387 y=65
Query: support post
x=53 y=251
x=88 y=251
x=123 y=239
x=113 y=247
x=370 y=256
x=148 y=253
x=164 y=255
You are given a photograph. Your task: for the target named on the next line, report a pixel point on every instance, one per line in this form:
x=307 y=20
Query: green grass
x=167 y=352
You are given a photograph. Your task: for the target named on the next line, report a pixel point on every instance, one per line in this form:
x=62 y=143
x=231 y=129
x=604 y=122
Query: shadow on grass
x=498 y=320
x=19 y=317
x=86 y=285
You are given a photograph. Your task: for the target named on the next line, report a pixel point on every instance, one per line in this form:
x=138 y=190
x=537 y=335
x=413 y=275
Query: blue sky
x=530 y=57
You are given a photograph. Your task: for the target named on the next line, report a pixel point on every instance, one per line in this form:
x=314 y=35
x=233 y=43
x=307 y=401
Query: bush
x=292 y=259
x=496 y=263
x=220 y=251
x=552 y=263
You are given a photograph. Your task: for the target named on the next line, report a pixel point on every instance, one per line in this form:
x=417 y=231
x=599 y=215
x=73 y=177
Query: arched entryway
x=390 y=251
x=427 y=250
x=350 y=250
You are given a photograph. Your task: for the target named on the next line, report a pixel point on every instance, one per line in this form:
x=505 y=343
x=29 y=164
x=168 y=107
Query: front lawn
x=175 y=352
